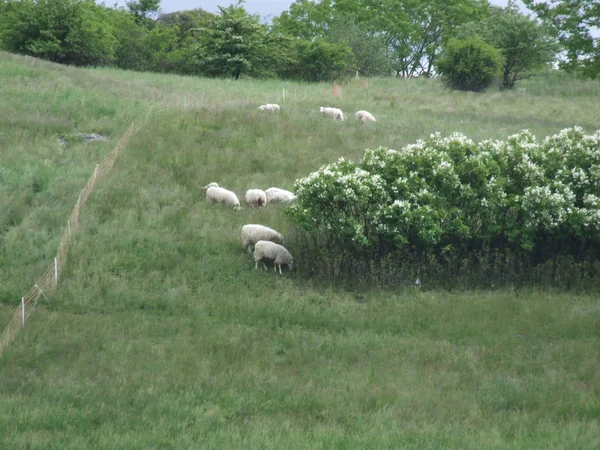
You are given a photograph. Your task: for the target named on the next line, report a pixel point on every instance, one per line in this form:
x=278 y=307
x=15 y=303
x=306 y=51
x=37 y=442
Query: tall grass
x=162 y=334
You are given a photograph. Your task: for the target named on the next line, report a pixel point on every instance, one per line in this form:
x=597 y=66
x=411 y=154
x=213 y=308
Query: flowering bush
x=449 y=192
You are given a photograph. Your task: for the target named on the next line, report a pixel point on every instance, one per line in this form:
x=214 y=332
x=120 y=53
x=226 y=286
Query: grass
x=162 y=335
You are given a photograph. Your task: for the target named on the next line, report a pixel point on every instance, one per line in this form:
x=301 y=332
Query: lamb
x=279 y=195
x=252 y=233
x=216 y=194
x=269 y=107
x=256 y=197
x=336 y=113
x=365 y=116
x=270 y=251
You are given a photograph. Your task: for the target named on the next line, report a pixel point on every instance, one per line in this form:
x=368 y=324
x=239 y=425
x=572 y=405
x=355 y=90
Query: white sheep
x=216 y=194
x=256 y=197
x=279 y=195
x=335 y=113
x=365 y=116
x=252 y=233
x=269 y=107
x=270 y=251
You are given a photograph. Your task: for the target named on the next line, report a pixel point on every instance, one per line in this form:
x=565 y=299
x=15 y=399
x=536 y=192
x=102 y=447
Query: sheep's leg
x=248 y=247
x=255 y=265
x=265 y=266
x=280 y=273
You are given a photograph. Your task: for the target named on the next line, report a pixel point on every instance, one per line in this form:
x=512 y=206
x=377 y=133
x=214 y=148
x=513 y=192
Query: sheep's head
x=291 y=264
x=213 y=184
x=237 y=208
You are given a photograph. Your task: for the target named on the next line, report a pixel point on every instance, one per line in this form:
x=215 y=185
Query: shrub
x=469 y=65
x=319 y=60
x=453 y=200
x=77 y=32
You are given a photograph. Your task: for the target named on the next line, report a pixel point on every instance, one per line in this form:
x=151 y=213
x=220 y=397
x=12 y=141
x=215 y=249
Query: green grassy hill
x=162 y=334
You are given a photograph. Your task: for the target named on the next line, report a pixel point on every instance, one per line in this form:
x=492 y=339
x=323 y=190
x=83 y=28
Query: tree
x=144 y=10
x=469 y=64
x=306 y=19
x=185 y=20
x=77 y=32
x=233 y=43
x=412 y=31
x=369 y=48
x=574 y=21
x=525 y=44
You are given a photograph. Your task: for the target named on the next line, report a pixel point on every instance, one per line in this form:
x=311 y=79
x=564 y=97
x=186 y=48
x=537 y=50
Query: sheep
x=270 y=251
x=216 y=194
x=365 y=116
x=256 y=197
x=252 y=233
x=269 y=107
x=279 y=195
x=336 y=113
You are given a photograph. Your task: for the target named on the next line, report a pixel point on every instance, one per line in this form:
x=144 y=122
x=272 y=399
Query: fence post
x=56 y=271
x=284 y=95
x=23 y=310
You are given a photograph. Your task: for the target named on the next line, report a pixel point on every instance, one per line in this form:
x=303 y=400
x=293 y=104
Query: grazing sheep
x=335 y=113
x=279 y=195
x=365 y=116
x=270 y=251
x=256 y=197
x=269 y=107
x=252 y=233
x=216 y=194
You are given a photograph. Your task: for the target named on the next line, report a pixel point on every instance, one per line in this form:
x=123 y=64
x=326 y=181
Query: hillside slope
x=162 y=334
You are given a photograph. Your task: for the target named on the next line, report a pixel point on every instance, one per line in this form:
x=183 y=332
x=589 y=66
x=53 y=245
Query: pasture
x=161 y=333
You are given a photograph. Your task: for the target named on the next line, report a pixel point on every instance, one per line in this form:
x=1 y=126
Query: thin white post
x=96 y=170
x=283 y=94
x=185 y=102
x=23 y=310
x=357 y=74
x=56 y=271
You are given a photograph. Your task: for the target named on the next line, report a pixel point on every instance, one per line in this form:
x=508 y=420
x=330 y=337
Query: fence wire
x=48 y=282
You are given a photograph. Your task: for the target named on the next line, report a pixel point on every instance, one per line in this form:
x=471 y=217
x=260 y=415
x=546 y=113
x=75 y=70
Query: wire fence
x=48 y=282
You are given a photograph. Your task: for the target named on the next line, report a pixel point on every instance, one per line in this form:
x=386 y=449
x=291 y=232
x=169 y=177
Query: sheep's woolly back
x=221 y=195
x=365 y=116
x=266 y=250
x=269 y=107
x=279 y=195
x=335 y=113
x=252 y=233
x=256 y=197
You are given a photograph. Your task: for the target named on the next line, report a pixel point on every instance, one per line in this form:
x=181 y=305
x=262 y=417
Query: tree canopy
x=525 y=44
x=576 y=22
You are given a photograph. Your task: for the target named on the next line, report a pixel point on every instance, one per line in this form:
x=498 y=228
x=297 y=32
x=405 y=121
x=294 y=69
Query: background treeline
x=313 y=40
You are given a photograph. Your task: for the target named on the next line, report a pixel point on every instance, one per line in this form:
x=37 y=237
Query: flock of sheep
x=268 y=243
x=327 y=111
